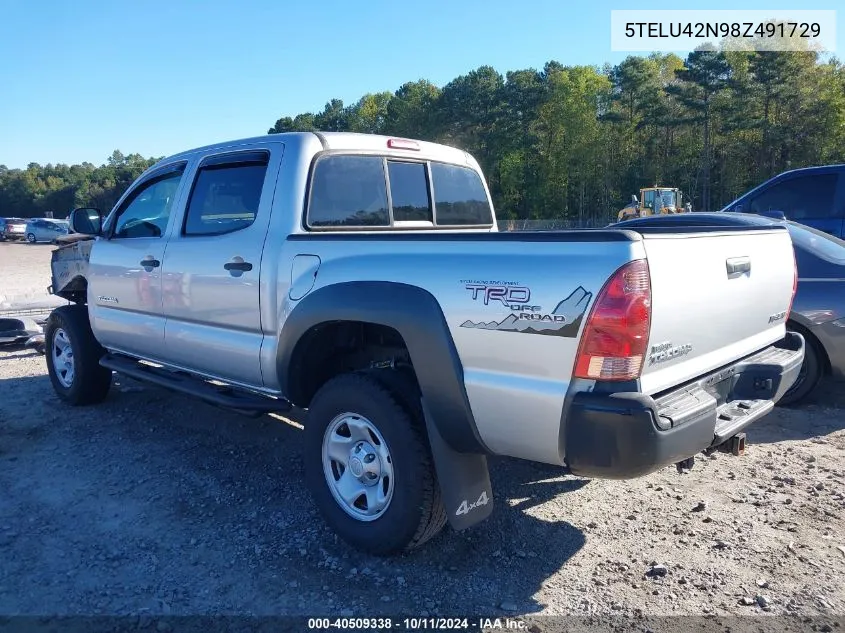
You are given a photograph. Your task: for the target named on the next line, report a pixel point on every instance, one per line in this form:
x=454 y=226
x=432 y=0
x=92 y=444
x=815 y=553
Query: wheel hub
x=62 y=358
x=365 y=463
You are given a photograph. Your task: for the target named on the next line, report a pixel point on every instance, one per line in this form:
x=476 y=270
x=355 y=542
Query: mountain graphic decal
x=572 y=310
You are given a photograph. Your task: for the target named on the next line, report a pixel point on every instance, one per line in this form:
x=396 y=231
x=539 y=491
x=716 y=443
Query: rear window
x=375 y=191
x=459 y=196
x=409 y=192
x=349 y=191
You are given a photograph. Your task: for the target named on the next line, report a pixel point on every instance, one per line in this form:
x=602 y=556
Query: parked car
x=17 y=330
x=814 y=196
x=15 y=229
x=45 y=230
x=818 y=311
x=419 y=339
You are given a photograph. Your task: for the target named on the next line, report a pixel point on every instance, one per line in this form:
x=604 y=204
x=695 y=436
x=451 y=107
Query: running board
x=227 y=397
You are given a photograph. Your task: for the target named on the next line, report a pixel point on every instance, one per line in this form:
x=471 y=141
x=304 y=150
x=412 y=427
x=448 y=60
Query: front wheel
x=368 y=466
x=73 y=357
x=30 y=237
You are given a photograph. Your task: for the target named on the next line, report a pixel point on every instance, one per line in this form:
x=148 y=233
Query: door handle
x=237 y=264
x=737 y=266
x=149 y=262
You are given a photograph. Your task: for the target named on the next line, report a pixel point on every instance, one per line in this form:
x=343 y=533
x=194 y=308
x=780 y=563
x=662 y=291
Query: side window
x=146 y=212
x=348 y=191
x=409 y=191
x=804 y=197
x=225 y=198
x=459 y=196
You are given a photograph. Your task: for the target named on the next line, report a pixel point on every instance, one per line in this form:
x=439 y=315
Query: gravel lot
x=152 y=503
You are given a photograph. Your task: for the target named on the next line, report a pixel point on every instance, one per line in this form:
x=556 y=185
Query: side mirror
x=634 y=199
x=86 y=220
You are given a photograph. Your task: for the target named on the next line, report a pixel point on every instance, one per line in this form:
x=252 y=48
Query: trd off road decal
x=564 y=320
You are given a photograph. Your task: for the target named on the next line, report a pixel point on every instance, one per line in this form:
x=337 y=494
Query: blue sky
x=80 y=79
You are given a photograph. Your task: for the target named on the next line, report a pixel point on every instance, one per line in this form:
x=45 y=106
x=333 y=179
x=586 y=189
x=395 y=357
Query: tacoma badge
x=665 y=351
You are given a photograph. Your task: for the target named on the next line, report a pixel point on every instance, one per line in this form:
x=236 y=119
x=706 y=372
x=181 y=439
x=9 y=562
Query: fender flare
x=417 y=316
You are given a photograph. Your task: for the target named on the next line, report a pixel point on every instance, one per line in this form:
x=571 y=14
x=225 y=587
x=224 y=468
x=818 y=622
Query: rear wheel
x=73 y=357
x=30 y=237
x=809 y=375
x=368 y=466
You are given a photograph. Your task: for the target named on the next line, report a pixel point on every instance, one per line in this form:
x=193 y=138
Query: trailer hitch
x=734 y=445
x=686 y=464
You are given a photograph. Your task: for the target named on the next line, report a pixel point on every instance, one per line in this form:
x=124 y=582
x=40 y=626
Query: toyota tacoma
x=362 y=278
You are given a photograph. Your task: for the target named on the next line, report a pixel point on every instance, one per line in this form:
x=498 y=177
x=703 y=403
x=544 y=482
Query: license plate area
x=720 y=390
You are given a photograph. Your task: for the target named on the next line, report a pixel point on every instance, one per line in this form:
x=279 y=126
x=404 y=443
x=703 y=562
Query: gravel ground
x=152 y=503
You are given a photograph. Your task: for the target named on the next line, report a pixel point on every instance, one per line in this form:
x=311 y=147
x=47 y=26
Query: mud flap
x=464 y=480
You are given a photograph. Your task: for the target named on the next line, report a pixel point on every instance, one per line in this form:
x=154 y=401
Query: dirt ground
x=154 y=504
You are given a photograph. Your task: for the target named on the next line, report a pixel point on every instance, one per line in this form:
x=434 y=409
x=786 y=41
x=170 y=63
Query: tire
x=414 y=511
x=30 y=237
x=73 y=357
x=810 y=374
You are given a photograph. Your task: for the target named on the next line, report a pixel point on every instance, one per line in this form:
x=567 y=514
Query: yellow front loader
x=654 y=201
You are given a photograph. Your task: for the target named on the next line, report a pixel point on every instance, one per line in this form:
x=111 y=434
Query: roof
x=332 y=141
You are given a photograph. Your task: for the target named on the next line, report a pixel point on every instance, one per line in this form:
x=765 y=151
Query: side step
x=226 y=397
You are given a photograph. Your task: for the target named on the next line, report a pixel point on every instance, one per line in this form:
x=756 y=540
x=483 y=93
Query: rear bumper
x=629 y=434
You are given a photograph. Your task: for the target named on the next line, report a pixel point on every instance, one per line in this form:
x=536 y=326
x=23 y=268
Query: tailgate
x=717 y=296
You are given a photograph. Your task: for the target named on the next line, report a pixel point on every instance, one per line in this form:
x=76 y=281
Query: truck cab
x=814 y=196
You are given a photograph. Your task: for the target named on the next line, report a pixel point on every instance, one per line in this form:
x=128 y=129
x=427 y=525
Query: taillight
x=615 y=338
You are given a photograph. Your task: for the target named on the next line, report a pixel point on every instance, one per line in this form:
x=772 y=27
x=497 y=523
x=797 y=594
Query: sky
x=81 y=79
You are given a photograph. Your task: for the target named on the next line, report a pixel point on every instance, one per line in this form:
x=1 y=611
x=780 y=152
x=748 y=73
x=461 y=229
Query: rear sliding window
x=409 y=192
x=374 y=191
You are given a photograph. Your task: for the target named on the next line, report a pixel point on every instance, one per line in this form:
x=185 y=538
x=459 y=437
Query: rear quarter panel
x=516 y=379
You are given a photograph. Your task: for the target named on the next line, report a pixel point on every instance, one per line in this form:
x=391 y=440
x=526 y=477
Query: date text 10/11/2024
x=417 y=624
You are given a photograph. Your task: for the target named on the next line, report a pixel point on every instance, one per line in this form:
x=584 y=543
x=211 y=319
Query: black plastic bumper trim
x=629 y=434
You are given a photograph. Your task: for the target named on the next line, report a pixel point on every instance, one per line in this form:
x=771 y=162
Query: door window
x=147 y=210
x=801 y=198
x=225 y=198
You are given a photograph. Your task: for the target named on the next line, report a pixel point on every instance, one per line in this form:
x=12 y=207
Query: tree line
x=574 y=142
x=57 y=189
x=567 y=142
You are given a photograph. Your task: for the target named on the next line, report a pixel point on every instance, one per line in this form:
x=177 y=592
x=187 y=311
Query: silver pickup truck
x=362 y=278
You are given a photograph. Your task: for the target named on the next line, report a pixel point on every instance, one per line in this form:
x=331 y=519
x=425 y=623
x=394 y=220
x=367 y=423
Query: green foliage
x=575 y=142
x=37 y=190
x=566 y=142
